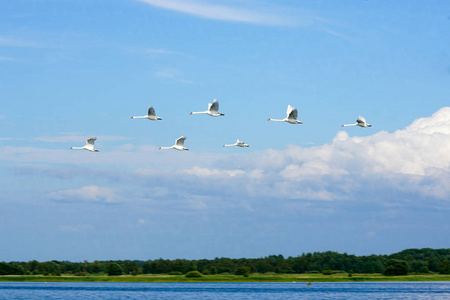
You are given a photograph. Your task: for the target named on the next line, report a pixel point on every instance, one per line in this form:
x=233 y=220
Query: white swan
x=360 y=122
x=89 y=145
x=179 y=144
x=291 y=116
x=150 y=115
x=238 y=143
x=213 y=110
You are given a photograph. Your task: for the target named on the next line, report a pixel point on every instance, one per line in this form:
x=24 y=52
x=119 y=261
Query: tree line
x=424 y=260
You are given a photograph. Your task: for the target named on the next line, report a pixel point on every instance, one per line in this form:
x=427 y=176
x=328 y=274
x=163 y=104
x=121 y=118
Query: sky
x=75 y=69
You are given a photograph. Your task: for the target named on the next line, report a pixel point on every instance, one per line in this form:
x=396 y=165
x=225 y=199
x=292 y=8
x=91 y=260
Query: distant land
x=411 y=264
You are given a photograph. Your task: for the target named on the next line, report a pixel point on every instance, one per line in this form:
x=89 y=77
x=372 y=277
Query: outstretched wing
x=361 y=120
x=151 y=111
x=91 y=141
x=180 y=141
x=291 y=113
x=214 y=107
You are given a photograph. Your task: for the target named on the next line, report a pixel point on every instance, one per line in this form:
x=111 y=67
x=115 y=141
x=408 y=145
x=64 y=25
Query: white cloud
x=222 y=12
x=91 y=193
x=416 y=158
x=205 y=172
x=172 y=75
x=412 y=162
x=256 y=12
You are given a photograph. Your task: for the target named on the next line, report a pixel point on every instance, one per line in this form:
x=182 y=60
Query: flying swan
x=179 y=144
x=213 y=110
x=238 y=143
x=291 y=116
x=89 y=145
x=150 y=115
x=360 y=122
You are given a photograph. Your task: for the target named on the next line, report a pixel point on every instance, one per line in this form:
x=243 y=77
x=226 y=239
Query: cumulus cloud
x=89 y=193
x=416 y=158
x=413 y=162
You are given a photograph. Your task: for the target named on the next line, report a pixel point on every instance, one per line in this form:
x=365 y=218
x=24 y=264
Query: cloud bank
x=413 y=163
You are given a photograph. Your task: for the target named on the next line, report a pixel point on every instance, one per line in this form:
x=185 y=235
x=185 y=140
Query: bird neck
x=199 y=112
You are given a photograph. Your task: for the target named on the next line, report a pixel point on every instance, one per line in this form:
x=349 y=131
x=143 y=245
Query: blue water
x=260 y=291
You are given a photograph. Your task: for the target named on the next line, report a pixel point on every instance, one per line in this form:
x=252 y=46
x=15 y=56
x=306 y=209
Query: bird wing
x=151 y=111
x=361 y=120
x=180 y=141
x=214 y=107
x=91 y=141
x=291 y=113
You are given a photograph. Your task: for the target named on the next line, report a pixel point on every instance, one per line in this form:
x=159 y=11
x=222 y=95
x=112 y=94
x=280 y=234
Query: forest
x=410 y=261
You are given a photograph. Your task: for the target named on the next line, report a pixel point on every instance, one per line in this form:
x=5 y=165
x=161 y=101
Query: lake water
x=260 y=291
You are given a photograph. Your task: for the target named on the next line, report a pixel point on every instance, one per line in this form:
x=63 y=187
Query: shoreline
x=226 y=278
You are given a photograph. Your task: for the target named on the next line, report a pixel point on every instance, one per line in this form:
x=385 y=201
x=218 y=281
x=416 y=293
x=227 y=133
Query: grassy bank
x=227 y=278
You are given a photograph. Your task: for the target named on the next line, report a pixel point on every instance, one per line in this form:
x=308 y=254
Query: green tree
x=11 y=269
x=424 y=270
x=327 y=271
x=114 y=269
x=394 y=267
x=444 y=267
x=193 y=274
x=241 y=271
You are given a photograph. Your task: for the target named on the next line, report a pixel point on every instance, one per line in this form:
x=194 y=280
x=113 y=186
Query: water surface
x=260 y=291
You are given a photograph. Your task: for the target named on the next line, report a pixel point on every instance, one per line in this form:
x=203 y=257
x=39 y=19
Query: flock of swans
x=213 y=110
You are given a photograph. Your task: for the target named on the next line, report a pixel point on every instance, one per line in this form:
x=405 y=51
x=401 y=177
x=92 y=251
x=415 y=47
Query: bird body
x=291 y=116
x=238 y=143
x=213 y=110
x=150 y=115
x=361 y=122
x=179 y=144
x=89 y=145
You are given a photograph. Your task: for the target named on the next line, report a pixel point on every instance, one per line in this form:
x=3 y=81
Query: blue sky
x=70 y=70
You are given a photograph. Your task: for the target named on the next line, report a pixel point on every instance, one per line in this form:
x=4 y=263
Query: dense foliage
x=408 y=261
x=394 y=267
